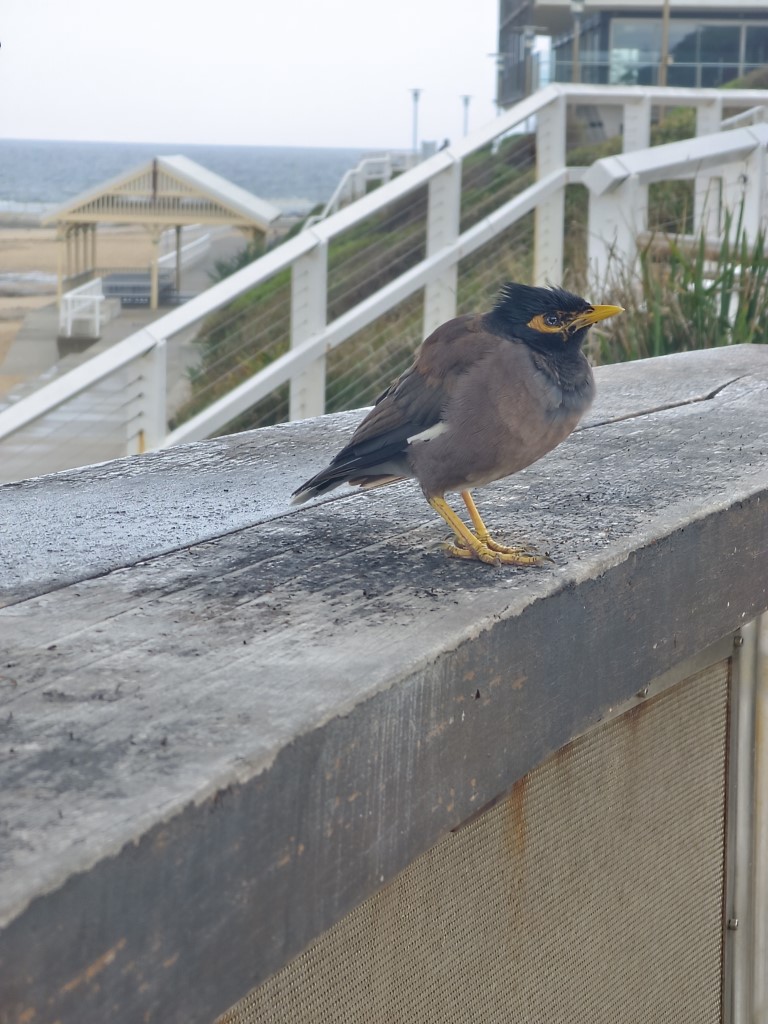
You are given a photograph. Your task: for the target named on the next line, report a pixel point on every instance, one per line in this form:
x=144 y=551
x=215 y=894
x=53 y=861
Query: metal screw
x=643 y=693
x=733 y=923
x=738 y=641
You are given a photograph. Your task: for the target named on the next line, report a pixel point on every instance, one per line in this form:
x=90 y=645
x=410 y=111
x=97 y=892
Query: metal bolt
x=733 y=923
x=643 y=693
x=738 y=641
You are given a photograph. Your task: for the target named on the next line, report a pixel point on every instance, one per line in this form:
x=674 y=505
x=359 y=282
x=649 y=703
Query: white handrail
x=83 y=303
x=547 y=107
x=371 y=168
x=752 y=116
x=675 y=159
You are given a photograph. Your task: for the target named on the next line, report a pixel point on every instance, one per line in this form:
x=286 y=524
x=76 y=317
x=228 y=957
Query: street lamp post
x=529 y=39
x=465 y=100
x=415 y=93
x=577 y=9
x=664 y=62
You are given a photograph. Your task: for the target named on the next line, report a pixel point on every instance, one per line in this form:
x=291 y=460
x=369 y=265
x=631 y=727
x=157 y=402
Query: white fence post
x=309 y=312
x=549 y=217
x=616 y=217
x=636 y=132
x=443 y=213
x=755 y=205
x=65 y=317
x=637 y=135
x=742 y=188
x=153 y=414
x=707 y=187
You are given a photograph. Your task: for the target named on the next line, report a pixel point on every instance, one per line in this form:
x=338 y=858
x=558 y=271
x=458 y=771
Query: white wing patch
x=430 y=433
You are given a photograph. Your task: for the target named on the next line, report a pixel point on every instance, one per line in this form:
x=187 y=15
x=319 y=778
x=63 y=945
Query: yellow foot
x=480 y=545
x=492 y=553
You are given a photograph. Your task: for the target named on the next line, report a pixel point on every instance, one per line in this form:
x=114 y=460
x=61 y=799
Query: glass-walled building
x=622 y=44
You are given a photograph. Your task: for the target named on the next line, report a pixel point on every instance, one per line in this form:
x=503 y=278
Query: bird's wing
x=415 y=402
x=412 y=405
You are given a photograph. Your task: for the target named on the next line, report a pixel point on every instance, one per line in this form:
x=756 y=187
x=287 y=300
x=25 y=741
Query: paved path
x=35 y=357
x=98 y=424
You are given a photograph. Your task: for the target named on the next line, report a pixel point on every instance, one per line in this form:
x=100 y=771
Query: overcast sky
x=245 y=72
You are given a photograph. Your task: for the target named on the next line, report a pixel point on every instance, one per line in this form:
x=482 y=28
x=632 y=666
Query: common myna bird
x=486 y=396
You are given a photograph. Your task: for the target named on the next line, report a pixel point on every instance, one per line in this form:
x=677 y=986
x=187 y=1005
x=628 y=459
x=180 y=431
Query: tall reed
x=684 y=293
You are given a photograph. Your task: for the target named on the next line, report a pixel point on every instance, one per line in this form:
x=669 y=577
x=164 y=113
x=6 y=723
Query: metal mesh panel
x=360 y=369
x=494 y=174
x=507 y=257
x=374 y=252
x=236 y=342
x=592 y=893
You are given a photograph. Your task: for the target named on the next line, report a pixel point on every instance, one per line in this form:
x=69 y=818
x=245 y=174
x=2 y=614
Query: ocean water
x=36 y=175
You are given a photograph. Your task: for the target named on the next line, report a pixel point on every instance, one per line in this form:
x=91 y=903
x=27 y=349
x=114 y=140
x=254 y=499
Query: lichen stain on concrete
x=291 y=852
x=562 y=755
x=636 y=715
x=90 y=972
x=438 y=729
x=161 y=839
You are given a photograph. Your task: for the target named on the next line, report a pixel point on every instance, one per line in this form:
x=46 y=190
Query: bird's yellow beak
x=592 y=316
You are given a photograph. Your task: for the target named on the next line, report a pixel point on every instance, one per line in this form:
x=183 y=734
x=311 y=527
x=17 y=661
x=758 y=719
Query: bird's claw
x=492 y=553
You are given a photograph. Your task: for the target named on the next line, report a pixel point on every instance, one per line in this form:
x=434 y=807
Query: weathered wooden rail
x=226 y=722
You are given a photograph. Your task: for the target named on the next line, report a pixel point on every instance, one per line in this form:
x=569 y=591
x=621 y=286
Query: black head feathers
x=544 y=318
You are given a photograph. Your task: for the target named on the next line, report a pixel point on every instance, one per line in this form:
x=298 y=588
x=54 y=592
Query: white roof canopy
x=169 y=190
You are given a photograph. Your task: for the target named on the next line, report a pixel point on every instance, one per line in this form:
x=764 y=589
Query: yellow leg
x=480 y=528
x=482 y=533
x=470 y=546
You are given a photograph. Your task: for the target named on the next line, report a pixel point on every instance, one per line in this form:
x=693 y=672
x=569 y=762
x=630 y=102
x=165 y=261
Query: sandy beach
x=24 y=250
x=33 y=250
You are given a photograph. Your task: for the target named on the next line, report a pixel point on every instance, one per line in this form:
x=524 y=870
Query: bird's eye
x=552 y=320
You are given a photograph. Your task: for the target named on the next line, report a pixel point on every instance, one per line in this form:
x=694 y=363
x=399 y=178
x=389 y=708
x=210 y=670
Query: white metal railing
x=82 y=304
x=745 y=117
x=617 y=213
x=354 y=183
x=618 y=188
x=616 y=69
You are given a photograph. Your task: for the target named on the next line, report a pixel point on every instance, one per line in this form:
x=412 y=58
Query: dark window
x=756 y=48
x=708 y=55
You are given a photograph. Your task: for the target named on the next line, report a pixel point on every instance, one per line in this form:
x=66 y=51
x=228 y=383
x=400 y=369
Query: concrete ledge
x=224 y=722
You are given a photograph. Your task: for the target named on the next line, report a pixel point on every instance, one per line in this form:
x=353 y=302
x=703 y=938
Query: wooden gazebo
x=168 y=191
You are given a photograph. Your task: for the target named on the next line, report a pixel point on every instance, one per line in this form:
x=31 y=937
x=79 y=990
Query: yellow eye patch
x=539 y=323
x=568 y=323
